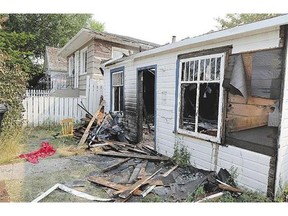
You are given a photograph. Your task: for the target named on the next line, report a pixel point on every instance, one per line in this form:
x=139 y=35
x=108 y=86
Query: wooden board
x=104 y=182
x=243 y=123
x=114 y=166
x=237 y=99
x=147 y=157
x=115 y=186
x=248 y=110
x=86 y=133
x=127 y=193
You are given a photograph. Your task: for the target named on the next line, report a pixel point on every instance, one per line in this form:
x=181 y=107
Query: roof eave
x=82 y=37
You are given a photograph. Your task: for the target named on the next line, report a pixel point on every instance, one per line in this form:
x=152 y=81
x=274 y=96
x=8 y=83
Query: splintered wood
x=86 y=132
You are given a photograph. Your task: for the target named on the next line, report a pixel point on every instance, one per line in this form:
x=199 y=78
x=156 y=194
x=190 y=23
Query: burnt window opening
x=117 y=91
x=201 y=95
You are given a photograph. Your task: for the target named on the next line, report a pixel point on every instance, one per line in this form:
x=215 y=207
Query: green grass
x=30 y=138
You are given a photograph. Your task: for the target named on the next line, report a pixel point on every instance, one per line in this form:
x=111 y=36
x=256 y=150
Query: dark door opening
x=146 y=104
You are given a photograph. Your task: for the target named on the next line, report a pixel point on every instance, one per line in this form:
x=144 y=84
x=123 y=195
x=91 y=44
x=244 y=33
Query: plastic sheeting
x=45 y=150
x=238 y=77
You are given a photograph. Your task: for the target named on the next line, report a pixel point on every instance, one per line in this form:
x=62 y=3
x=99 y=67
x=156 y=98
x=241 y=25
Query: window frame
x=71 y=66
x=112 y=101
x=220 y=126
x=83 y=63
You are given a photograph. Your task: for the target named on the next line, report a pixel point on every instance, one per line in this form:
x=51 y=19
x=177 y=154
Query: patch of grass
x=198 y=194
x=247 y=196
x=11 y=147
x=283 y=195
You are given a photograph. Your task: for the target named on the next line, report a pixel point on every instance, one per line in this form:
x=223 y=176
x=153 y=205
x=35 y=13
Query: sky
x=151 y=20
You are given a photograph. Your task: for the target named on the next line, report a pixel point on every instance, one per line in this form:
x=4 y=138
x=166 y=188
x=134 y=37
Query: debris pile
x=100 y=127
x=128 y=173
x=133 y=171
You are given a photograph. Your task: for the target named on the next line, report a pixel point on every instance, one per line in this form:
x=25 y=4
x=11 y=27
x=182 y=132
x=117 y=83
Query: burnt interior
x=146 y=104
x=208 y=107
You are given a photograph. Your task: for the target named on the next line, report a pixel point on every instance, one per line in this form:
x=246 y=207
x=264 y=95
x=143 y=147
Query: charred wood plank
x=86 y=133
x=135 y=173
x=103 y=182
x=126 y=194
x=147 y=157
x=114 y=166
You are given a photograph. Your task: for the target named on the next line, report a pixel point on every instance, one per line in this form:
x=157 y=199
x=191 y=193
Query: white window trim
x=82 y=60
x=76 y=73
x=216 y=139
x=70 y=66
x=112 y=89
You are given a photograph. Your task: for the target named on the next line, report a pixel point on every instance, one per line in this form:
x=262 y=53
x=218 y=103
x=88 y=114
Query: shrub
x=12 y=89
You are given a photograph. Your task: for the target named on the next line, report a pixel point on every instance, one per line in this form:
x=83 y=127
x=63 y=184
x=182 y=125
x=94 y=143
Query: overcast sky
x=152 y=20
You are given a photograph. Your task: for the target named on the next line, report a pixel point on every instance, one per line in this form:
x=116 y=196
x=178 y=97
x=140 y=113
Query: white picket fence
x=41 y=108
x=32 y=92
x=93 y=93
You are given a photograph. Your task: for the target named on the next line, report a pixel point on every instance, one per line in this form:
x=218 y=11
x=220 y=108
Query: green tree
x=95 y=25
x=24 y=36
x=231 y=20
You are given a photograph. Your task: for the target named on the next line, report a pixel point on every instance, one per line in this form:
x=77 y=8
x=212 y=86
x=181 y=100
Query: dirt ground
x=22 y=181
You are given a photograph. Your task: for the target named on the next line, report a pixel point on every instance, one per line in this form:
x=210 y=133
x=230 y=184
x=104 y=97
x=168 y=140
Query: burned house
x=224 y=95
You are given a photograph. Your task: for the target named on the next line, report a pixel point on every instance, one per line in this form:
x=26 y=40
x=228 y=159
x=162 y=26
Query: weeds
x=11 y=147
x=198 y=194
x=181 y=155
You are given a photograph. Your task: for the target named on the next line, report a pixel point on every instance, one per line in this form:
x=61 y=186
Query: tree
x=24 y=36
x=232 y=20
x=95 y=25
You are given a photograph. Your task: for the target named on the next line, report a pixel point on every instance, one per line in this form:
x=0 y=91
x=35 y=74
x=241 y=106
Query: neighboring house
x=55 y=68
x=88 y=48
x=224 y=95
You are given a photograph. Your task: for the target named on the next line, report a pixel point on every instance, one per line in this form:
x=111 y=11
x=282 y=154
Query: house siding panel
x=253 y=168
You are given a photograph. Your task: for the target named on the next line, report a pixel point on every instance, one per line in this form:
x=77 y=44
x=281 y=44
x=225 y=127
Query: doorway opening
x=146 y=105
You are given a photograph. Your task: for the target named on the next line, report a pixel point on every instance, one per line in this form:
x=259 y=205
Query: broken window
x=117 y=91
x=201 y=96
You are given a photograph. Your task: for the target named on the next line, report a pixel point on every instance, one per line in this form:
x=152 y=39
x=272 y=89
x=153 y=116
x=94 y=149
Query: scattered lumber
x=126 y=194
x=147 y=157
x=109 y=184
x=114 y=166
x=86 y=133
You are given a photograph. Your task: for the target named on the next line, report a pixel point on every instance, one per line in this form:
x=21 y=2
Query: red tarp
x=45 y=150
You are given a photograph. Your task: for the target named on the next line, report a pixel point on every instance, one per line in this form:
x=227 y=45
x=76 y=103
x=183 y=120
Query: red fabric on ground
x=45 y=150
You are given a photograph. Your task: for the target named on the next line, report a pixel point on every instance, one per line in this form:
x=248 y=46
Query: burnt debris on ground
x=129 y=172
x=100 y=127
